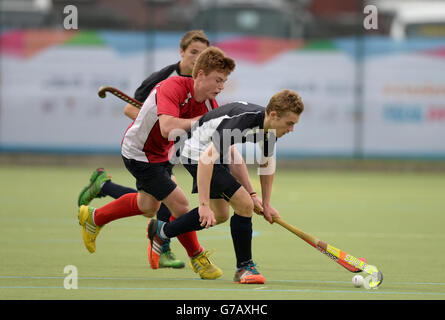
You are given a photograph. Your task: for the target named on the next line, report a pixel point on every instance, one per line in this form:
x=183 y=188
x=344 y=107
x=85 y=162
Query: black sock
x=115 y=190
x=241 y=230
x=186 y=223
x=163 y=213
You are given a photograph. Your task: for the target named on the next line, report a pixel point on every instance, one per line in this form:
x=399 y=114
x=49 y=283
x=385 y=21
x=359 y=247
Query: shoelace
x=251 y=268
x=204 y=258
x=169 y=254
x=166 y=245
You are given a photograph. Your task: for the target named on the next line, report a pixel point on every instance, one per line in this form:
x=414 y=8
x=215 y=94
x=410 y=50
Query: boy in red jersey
x=175 y=103
x=100 y=184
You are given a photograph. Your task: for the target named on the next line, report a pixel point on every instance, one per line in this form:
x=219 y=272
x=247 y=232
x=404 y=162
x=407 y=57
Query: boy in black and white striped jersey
x=206 y=152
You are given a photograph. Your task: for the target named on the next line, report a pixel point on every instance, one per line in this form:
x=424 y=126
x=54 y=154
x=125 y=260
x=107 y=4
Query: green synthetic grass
x=395 y=220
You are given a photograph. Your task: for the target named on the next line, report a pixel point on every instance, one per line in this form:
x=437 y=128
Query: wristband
x=252 y=193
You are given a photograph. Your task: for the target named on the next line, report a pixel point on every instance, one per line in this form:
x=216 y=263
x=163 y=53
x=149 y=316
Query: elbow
x=165 y=132
x=130 y=112
x=126 y=111
x=165 y=126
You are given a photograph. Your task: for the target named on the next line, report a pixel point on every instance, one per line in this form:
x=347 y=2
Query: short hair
x=284 y=101
x=212 y=59
x=192 y=36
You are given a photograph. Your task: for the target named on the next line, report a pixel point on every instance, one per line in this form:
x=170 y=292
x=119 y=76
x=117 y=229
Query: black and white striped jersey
x=237 y=122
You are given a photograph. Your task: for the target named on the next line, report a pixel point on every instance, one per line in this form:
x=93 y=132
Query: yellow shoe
x=89 y=228
x=206 y=269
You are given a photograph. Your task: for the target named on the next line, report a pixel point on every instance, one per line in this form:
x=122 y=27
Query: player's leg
x=92 y=220
x=221 y=209
x=148 y=178
x=114 y=190
x=178 y=204
x=168 y=258
x=241 y=231
x=224 y=187
x=164 y=212
x=201 y=263
x=185 y=227
x=240 y=224
x=99 y=186
x=190 y=221
x=160 y=254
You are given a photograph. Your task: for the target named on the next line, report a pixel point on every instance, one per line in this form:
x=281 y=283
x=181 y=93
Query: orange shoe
x=155 y=243
x=248 y=275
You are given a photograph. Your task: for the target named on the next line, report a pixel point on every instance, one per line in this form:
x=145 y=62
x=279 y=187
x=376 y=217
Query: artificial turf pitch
x=394 y=220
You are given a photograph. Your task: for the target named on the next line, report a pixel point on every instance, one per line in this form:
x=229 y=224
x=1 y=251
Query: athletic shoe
x=168 y=260
x=89 y=229
x=204 y=267
x=93 y=190
x=248 y=275
x=155 y=242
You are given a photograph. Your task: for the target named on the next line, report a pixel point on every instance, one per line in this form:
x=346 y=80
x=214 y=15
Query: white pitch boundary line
x=238 y=290
x=196 y=279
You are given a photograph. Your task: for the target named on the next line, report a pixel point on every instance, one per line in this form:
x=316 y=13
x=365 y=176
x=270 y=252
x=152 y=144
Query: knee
x=246 y=208
x=149 y=209
x=149 y=212
x=180 y=209
x=222 y=218
x=149 y=215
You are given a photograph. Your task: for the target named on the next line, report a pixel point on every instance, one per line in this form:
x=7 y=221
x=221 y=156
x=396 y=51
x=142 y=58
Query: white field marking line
x=376 y=292
x=196 y=279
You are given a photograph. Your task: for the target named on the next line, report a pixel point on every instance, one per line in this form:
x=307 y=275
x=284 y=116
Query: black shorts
x=222 y=186
x=153 y=178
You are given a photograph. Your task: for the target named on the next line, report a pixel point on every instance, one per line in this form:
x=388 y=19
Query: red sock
x=190 y=242
x=125 y=206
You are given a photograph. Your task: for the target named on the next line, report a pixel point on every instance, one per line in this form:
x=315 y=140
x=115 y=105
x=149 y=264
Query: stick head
x=101 y=92
x=374 y=279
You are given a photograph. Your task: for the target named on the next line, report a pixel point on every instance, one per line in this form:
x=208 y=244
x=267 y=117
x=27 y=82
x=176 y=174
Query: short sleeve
x=144 y=89
x=168 y=97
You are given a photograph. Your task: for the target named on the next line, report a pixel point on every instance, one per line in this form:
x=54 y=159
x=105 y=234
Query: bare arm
x=204 y=177
x=239 y=170
x=266 y=178
x=169 y=123
x=131 y=111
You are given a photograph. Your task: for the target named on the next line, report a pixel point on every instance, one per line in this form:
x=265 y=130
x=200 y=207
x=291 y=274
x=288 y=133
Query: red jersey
x=174 y=96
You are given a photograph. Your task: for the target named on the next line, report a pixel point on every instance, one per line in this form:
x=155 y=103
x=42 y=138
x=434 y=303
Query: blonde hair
x=285 y=101
x=192 y=36
x=212 y=59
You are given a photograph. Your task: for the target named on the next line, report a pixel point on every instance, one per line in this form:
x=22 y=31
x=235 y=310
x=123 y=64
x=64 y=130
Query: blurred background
x=370 y=93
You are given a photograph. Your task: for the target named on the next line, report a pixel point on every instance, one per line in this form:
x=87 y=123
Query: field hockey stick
x=344 y=259
x=312 y=241
x=102 y=93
